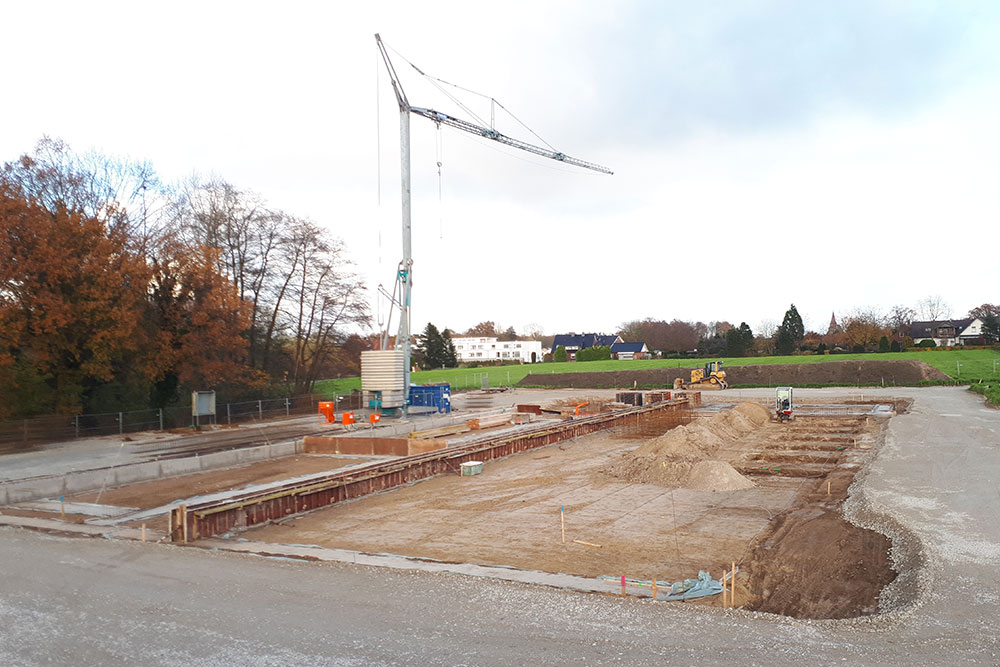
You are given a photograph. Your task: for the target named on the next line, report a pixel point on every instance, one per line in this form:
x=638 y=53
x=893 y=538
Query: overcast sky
x=837 y=155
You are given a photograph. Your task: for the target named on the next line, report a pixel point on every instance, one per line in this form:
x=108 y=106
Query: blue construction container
x=431 y=396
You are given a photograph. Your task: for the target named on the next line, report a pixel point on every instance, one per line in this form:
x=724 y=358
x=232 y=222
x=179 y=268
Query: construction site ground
x=905 y=525
x=510 y=515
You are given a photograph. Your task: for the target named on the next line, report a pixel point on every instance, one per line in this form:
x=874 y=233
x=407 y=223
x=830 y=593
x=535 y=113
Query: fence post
x=121 y=424
x=260 y=409
x=76 y=425
x=161 y=418
x=286 y=406
x=26 y=430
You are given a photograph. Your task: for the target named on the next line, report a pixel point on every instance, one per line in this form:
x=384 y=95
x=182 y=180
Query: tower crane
x=404 y=273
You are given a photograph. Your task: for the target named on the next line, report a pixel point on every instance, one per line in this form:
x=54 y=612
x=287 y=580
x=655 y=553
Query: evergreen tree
x=435 y=351
x=883 y=344
x=450 y=356
x=560 y=354
x=790 y=333
x=739 y=340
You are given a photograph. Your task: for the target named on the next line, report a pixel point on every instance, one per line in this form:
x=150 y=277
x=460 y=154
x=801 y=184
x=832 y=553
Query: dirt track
x=863 y=372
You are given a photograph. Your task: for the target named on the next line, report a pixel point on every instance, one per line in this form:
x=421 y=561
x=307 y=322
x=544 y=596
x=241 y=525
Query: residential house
x=629 y=351
x=488 y=348
x=576 y=342
x=948 y=333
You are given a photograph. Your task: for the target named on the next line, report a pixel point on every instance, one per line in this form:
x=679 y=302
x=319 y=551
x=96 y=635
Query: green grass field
x=962 y=365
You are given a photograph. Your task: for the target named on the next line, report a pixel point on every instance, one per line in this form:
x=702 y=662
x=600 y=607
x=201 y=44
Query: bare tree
x=125 y=195
x=766 y=328
x=933 y=308
x=899 y=318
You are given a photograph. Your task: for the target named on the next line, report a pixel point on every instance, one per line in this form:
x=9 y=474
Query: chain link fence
x=18 y=433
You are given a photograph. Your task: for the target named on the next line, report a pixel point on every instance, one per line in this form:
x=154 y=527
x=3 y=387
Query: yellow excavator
x=710 y=377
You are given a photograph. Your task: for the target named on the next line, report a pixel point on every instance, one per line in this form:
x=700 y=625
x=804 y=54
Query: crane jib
x=464 y=125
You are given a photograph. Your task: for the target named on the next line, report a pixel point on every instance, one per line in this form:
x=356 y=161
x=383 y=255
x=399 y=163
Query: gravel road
x=73 y=601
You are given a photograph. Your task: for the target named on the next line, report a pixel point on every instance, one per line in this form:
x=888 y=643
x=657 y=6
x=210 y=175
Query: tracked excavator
x=710 y=377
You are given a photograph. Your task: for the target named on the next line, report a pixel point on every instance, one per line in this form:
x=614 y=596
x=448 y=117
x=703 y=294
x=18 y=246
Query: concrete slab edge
x=82 y=481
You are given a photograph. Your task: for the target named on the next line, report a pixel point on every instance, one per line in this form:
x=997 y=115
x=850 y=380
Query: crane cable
x=434 y=82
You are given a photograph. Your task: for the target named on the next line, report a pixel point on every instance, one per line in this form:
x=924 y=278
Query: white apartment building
x=486 y=348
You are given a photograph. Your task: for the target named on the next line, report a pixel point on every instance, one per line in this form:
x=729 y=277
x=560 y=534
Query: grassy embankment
x=975 y=366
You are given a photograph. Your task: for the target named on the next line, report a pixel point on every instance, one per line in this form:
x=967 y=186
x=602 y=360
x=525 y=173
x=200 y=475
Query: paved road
x=72 y=601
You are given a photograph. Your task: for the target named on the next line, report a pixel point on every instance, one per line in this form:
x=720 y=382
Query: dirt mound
x=857 y=372
x=716 y=476
x=689 y=456
x=755 y=412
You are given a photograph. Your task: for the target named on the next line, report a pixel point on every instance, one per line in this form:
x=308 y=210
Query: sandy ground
x=510 y=515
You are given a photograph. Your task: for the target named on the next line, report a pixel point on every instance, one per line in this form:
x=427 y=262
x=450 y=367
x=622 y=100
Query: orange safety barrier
x=326 y=410
x=347 y=418
x=374 y=418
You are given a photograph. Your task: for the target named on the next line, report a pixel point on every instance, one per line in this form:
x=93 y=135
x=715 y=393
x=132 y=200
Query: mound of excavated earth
x=694 y=456
x=890 y=373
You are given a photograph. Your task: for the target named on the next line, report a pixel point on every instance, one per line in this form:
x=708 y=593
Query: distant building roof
x=583 y=341
x=929 y=328
x=628 y=347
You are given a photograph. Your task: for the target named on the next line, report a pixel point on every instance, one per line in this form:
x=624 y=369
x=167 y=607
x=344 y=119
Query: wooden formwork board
x=257 y=507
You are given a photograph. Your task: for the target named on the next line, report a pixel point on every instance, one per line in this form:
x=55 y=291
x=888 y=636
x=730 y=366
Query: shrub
x=883 y=344
x=895 y=346
x=560 y=354
x=927 y=342
x=598 y=353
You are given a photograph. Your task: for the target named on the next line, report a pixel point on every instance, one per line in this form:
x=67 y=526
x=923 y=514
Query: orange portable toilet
x=326 y=410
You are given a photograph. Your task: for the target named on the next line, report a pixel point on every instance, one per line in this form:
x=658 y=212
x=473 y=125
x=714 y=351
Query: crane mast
x=404 y=273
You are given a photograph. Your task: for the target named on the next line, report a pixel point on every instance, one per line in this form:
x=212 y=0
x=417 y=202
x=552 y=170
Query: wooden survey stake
x=562 y=520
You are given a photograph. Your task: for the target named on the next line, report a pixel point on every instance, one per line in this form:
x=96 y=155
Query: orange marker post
x=654 y=589
x=623 y=585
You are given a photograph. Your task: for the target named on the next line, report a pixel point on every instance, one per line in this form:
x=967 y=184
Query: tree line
x=120 y=291
x=861 y=330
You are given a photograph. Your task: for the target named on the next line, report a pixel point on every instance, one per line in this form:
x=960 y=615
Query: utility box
x=202 y=405
x=431 y=395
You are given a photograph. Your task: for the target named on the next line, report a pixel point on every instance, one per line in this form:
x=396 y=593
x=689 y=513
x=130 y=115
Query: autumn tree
x=71 y=301
x=484 y=329
x=125 y=196
x=201 y=326
x=863 y=328
x=508 y=334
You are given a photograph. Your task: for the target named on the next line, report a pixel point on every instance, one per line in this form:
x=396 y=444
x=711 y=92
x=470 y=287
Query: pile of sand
x=716 y=476
x=696 y=455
